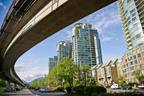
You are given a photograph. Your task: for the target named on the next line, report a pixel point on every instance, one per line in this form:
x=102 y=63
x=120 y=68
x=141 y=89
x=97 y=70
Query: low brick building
x=106 y=74
x=132 y=61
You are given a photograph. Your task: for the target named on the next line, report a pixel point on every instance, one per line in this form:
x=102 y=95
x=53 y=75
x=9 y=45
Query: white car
x=114 y=86
x=141 y=86
x=42 y=90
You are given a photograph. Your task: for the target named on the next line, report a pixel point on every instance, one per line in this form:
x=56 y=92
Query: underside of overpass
x=15 y=40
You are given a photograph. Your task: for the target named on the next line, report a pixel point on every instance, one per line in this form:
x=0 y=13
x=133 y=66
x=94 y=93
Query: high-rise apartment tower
x=86 y=48
x=64 y=49
x=132 y=16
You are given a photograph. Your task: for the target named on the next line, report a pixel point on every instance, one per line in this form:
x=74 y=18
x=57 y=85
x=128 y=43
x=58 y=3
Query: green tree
x=139 y=76
x=85 y=73
x=66 y=71
x=52 y=76
x=63 y=73
x=121 y=80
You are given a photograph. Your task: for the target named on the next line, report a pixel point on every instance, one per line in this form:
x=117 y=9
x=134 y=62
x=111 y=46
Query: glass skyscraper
x=132 y=16
x=63 y=50
x=86 y=48
x=52 y=63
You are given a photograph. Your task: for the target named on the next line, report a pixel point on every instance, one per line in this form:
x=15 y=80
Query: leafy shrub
x=79 y=89
x=89 y=90
x=93 y=90
x=99 y=89
x=59 y=88
x=123 y=83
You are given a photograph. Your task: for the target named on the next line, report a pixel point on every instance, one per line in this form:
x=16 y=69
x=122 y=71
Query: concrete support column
x=10 y=86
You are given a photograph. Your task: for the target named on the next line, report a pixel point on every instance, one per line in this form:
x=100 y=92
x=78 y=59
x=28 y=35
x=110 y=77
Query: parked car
x=114 y=86
x=126 y=87
x=41 y=90
x=141 y=86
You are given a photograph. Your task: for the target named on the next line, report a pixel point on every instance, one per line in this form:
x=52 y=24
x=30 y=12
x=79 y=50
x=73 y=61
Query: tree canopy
x=66 y=74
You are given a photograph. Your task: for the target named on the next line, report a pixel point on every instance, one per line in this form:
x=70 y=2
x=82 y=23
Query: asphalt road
x=28 y=92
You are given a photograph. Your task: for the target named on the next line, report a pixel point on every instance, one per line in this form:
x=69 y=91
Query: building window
x=133 y=14
x=131 y=63
x=128 y=18
x=135 y=25
x=126 y=12
x=135 y=61
x=131 y=58
x=133 y=38
x=134 y=56
x=134 y=18
x=129 y=22
x=138 y=36
x=133 y=10
x=139 y=55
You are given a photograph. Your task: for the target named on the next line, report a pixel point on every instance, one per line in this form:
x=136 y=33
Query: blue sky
x=4 y=5
x=34 y=63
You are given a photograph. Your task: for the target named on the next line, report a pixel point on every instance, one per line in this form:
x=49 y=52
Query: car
x=41 y=90
x=125 y=87
x=114 y=86
x=141 y=86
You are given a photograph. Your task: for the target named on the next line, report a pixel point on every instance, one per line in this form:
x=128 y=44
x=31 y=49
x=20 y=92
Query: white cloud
x=28 y=72
x=106 y=39
x=2 y=5
x=102 y=20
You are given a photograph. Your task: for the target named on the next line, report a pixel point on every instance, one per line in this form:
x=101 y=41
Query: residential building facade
x=106 y=74
x=86 y=48
x=132 y=62
x=119 y=68
x=132 y=17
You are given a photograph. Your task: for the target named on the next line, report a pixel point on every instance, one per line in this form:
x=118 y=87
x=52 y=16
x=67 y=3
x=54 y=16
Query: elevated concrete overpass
x=28 y=22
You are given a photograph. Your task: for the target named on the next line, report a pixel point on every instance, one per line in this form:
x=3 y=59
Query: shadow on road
x=30 y=92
